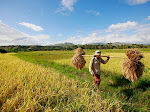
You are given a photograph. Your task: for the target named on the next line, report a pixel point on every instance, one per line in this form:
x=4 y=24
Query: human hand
x=108 y=57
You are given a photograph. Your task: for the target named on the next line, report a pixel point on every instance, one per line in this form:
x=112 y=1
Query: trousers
x=97 y=79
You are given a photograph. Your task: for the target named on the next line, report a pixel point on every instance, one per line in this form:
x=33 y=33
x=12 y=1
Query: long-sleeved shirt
x=94 y=66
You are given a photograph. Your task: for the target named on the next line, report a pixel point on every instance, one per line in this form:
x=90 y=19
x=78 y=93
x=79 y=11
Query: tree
x=3 y=50
x=109 y=45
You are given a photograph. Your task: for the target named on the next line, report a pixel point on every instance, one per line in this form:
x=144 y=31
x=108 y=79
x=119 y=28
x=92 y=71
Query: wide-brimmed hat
x=97 y=52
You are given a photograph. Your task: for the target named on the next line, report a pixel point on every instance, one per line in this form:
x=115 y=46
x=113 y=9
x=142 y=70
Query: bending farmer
x=94 y=66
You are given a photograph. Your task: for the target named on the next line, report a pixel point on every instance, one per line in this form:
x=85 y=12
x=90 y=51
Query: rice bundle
x=132 y=67
x=78 y=61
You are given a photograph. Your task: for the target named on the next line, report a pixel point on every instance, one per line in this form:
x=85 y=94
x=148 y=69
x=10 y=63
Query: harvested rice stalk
x=78 y=60
x=132 y=67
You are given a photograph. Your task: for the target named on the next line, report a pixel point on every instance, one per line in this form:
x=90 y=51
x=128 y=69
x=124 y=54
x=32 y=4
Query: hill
x=64 y=44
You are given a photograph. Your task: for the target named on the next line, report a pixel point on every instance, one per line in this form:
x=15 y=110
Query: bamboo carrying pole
x=132 y=68
x=107 y=56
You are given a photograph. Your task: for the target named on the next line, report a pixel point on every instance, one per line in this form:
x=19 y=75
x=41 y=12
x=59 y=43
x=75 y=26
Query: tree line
x=24 y=48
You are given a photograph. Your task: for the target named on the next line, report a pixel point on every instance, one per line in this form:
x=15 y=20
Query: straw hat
x=97 y=52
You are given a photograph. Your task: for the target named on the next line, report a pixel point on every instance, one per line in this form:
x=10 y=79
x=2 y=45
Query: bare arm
x=104 y=62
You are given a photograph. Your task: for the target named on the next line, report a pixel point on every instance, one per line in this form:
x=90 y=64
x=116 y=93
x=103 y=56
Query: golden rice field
x=29 y=87
x=114 y=66
x=46 y=81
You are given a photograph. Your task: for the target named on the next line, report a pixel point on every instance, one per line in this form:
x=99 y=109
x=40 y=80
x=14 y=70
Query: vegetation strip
x=64 y=69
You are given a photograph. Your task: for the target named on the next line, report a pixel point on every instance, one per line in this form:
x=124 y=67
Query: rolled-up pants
x=97 y=79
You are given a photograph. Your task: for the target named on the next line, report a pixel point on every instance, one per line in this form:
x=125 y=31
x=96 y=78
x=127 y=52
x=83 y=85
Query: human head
x=97 y=53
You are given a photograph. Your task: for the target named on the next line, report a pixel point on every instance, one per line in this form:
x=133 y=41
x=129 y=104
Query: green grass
x=134 y=96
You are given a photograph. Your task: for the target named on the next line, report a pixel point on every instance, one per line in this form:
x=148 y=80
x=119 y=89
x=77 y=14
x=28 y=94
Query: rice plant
x=29 y=87
x=47 y=81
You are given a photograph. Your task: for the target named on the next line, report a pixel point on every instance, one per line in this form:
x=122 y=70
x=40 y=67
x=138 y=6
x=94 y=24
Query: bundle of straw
x=132 y=67
x=78 y=61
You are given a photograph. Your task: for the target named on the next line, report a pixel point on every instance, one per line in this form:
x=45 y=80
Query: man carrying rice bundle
x=94 y=67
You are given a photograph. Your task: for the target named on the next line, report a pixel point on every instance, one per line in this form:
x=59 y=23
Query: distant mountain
x=114 y=44
x=97 y=44
x=64 y=44
x=119 y=43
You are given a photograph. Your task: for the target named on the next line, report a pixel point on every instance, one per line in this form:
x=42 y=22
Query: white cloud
x=140 y=35
x=122 y=26
x=148 y=18
x=61 y=9
x=136 y=2
x=94 y=38
x=109 y=38
x=8 y=33
x=10 y=36
x=93 y=12
x=59 y=35
x=40 y=37
x=65 y=13
x=31 y=26
x=0 y=21
x=67 y=5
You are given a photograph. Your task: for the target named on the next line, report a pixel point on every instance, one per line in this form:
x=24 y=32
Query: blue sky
x=46 y=22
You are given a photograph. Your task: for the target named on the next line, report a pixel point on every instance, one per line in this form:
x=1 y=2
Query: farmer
x=94 y=66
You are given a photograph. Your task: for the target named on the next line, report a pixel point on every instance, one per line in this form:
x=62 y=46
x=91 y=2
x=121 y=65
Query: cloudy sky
x=47 y=22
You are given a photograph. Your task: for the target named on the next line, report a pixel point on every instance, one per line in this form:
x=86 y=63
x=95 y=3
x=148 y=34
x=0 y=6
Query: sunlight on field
x=47 y=81
x=114 y=64
x=29 y=87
